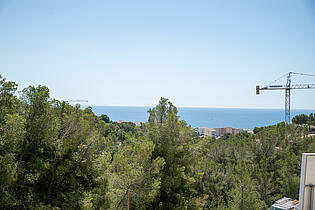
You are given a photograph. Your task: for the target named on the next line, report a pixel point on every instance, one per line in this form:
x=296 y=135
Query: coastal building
x=220 y=131
x=230 y=130
x=250 y=131
x=202 y=131
x=215 y=132
x=209 y=132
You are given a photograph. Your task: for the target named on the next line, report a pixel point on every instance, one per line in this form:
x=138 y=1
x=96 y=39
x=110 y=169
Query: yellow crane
x=287 y=88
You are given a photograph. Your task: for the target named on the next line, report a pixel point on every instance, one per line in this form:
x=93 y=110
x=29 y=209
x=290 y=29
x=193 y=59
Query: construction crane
x=77 y=101
x=288 y=87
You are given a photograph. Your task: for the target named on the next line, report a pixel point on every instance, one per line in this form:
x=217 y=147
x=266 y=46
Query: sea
x=208 y=117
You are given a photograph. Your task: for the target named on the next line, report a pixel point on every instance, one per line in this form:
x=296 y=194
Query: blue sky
x=196 y=53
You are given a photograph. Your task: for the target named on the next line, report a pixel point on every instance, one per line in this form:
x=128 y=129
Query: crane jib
x=281 y=87
x=288 y=87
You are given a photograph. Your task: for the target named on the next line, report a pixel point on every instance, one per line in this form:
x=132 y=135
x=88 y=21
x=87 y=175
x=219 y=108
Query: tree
x=8 y=101
x=74 y=154
x=288 y=179
x=105 y=118
x=172 y=139
x=264 y=176
x=135 y=178
x=12 y=134
x=244 y=194
x=32 y=156
x=98 y=197
x=300 y=119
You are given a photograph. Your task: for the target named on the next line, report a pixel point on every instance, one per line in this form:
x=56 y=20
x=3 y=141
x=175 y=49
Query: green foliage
x=105 y=118
x=8 y=102
x=172 y=139
x=135 y=176
x=57 y=156
x=300 y=119
x=244 y=194
x=303 y=119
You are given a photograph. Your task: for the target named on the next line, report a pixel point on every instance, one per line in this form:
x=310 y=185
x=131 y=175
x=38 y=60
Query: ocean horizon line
x=195 y=107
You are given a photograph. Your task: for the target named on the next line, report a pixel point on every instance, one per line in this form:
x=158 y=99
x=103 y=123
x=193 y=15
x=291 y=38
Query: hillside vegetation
x=54 y=155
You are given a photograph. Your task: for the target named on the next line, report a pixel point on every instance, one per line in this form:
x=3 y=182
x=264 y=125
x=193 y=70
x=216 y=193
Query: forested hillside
x=54 y=155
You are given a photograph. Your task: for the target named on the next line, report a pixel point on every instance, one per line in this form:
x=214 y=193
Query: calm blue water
x=209 y=117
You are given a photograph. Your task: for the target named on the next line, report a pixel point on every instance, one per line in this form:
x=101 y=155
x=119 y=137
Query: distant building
x=211 y=132
x=204 y=131
x=250 y=131
x=285 y=204
x=214 y=132
x=222 y=131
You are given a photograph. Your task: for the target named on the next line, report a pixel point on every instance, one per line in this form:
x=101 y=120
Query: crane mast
x=287 y=88
x=287 y=99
